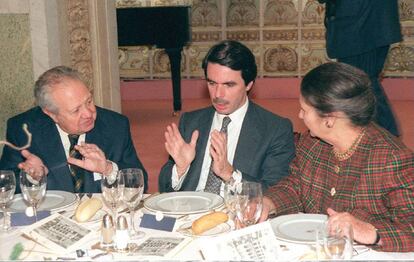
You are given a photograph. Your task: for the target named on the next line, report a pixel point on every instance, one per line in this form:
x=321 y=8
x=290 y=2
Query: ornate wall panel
x=287 y=37
x=281 y=13
x=280 y=60
x=206 y=13
x=242 y=13
x=80 y=39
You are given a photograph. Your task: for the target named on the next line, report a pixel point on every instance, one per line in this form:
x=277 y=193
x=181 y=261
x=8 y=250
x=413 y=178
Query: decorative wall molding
x=288 y=37
x=80 y=39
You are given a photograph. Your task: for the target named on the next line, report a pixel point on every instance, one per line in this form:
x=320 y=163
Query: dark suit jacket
x=111 y=134
x=354 y=27
x=264 y=150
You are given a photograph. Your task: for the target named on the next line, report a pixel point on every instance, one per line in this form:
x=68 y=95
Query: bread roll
x=208 y=221
x=87 y=209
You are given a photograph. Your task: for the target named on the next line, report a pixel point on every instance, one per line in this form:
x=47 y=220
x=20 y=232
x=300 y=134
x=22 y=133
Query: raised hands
x=183 y=153
x=93 y=159
x=33 y=165
x=218 y=150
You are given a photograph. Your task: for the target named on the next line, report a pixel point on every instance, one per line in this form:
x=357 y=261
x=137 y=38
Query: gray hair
x=47 y=80
x=338 y=87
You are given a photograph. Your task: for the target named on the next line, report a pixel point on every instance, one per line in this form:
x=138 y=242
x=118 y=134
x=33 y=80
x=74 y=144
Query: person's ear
x=50 y=114
x=249 y=86
x=330 y=120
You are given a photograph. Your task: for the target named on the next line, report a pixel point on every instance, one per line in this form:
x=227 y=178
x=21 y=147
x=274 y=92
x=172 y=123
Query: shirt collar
x=237 y=116
x=64 y=136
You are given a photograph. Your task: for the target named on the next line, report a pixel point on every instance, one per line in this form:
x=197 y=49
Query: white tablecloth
x=189 y=251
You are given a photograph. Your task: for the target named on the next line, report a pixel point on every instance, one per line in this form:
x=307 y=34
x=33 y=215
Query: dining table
x=189 y=249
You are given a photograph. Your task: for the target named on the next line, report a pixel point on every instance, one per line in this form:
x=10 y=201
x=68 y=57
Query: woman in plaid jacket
x=346 y=166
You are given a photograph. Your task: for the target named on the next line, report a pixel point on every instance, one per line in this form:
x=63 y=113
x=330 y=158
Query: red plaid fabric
x=376 y=185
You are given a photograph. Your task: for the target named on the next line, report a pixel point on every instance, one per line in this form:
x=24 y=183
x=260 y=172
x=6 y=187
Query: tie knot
x=226 y=122
x=73 y=139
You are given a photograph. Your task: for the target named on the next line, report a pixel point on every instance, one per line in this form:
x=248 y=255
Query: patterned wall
x=16 y=73
x=286 y=36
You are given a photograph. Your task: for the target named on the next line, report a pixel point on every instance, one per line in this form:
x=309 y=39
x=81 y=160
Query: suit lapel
x=248 y=140
x=52 y=147
x=52 y=152
x=203 y=126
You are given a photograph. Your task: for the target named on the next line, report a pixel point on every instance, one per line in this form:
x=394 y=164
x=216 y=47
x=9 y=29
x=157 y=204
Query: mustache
x=220 y=101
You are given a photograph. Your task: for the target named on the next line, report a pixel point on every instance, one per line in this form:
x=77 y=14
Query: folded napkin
x=21 y=219
x=150 y=221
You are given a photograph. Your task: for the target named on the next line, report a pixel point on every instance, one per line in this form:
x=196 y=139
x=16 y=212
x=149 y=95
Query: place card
x=166 y=223
x=21 y=219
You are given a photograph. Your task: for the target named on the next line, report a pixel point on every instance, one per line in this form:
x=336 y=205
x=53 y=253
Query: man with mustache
x=64 y=121
x=254 y=144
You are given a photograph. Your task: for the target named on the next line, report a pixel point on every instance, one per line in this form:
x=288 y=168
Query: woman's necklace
x=351 y=150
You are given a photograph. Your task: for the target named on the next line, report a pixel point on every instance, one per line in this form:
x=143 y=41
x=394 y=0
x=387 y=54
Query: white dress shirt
x=233 y=133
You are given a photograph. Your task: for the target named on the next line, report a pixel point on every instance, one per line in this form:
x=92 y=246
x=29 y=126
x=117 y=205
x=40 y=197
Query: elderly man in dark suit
x=66 y=120
x=254 y=144
x=359 y=33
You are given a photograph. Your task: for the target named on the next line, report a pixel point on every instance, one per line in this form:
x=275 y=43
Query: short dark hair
x=234 y=55
x=338 y=87
x=50 y=78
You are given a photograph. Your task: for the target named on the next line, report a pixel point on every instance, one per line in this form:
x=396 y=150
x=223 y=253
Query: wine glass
x=7 y=188
x=249 y=203
x=335 y=243
x=131 y=180
x=111 y=193
x=230 y=197
x=33 y=189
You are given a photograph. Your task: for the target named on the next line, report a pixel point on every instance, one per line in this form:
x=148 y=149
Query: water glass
x=249 y=203
x=7 y=188
x=131 y=182
x=33 y=189
x=111 y=193
x=229 y=195
x=334 y=243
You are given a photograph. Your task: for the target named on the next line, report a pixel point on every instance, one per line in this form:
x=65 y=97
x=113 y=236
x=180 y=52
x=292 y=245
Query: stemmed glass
x=111 y=193
x=335 y=243
x=230 y=197
x=131 y=180
x=33 y=189
x=7 y=188
x=249 y=203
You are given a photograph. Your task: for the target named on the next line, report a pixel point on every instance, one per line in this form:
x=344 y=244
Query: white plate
x=181 y=203
x=54 y=200
x=297 y=228
x=185 y=229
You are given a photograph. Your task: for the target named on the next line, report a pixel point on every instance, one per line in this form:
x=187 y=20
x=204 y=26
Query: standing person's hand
x=218 y=150
x=93 y=159
x=33 y=165
x=183 y=153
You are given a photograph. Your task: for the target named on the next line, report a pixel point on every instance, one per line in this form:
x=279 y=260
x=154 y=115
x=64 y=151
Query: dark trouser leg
x=372 y=63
